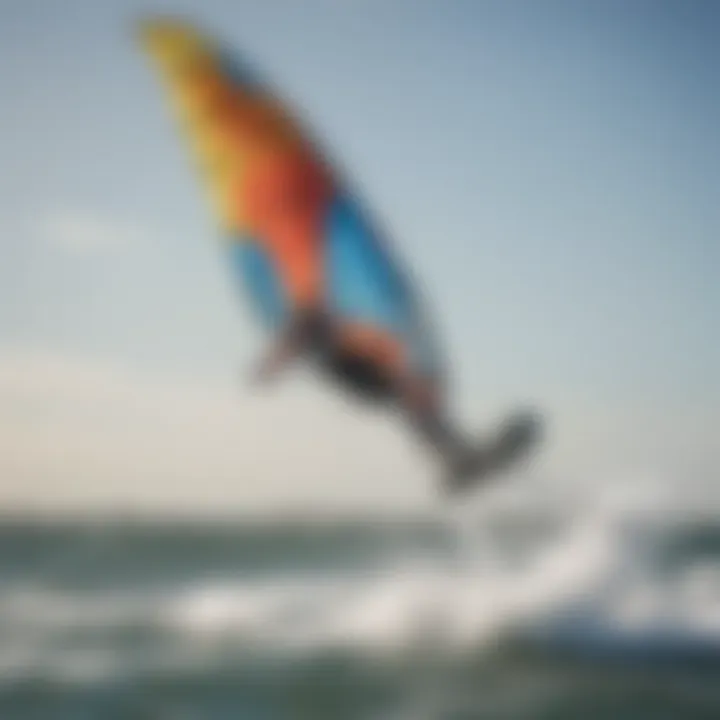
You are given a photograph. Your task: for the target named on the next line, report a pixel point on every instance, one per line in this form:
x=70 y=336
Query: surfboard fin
x=479 y=465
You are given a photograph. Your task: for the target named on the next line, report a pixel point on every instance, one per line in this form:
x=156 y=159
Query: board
x=512 y=442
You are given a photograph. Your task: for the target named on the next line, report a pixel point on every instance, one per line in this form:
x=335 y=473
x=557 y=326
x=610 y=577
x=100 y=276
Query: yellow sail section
x=229 y=120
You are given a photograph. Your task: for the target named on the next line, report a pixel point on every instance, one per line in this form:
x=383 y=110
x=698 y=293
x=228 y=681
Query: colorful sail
x=295 y=235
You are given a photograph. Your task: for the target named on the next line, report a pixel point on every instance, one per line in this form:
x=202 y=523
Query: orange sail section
x=264 y=180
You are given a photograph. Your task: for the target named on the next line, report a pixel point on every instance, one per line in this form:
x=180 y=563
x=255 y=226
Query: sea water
x=522 y=609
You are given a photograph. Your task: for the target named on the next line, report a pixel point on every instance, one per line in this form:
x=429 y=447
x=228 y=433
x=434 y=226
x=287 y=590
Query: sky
x=549 y=171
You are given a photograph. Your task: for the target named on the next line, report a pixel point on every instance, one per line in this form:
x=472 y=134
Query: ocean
x=524 y=611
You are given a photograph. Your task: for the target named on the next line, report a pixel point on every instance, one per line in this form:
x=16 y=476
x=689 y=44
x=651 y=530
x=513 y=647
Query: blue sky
x=549 y=170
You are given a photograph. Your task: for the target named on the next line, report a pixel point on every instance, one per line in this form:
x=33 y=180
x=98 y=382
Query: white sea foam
x=593 y=573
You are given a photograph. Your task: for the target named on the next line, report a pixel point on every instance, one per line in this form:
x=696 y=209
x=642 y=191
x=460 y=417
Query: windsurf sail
x=294 y=233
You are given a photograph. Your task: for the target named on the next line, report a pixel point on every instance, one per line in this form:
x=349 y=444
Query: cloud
x=83 y=433
x=79 y=432
x=85 y=233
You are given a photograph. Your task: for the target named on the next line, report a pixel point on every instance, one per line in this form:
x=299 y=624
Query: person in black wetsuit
x=312 y=333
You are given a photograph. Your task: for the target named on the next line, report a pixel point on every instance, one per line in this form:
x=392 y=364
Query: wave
x=594 y=582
